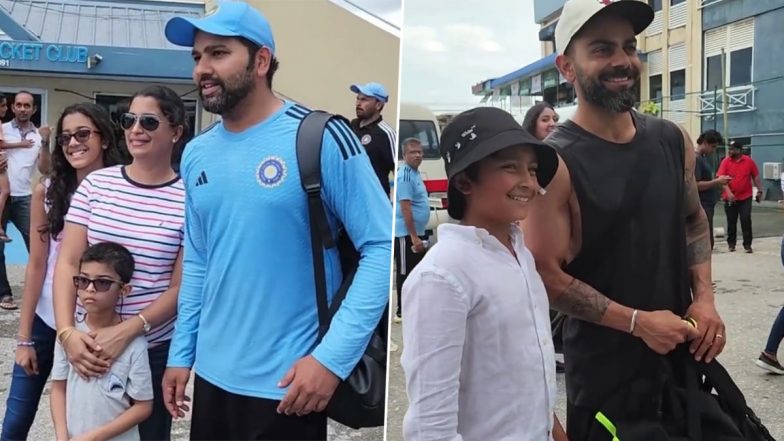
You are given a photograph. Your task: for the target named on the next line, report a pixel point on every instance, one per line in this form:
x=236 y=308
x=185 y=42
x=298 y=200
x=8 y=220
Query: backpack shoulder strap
x=308 y=145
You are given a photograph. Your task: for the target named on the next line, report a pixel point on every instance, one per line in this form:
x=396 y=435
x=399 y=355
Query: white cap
x=576 y=13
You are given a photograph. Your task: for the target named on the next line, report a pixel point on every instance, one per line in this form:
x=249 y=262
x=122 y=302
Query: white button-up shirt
x=21 y=161
x=478 y=352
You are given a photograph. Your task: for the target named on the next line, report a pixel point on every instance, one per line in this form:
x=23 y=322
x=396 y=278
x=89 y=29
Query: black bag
x=359 y=400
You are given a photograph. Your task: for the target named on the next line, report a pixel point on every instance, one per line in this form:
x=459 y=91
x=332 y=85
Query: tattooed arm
x=698 y=257
x=552 y=234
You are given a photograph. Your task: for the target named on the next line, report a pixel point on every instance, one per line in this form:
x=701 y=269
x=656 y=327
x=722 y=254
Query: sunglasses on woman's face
x=100 y=285
x=149 y=123
x=81 y=135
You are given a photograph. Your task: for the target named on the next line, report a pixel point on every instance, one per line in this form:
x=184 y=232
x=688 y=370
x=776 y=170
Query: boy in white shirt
x=112 y=406
x=478 y=353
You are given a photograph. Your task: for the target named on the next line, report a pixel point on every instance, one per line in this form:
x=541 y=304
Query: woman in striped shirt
x=140 y=206
x=85 y=143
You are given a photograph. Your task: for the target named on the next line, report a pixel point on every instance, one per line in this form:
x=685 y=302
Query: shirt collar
x=480 y=236
x=29 y=128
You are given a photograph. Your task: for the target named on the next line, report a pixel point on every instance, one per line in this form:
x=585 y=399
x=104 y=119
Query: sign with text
x=26 y=51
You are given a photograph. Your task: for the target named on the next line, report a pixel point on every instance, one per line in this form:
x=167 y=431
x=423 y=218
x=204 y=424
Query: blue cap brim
x=358 y=89
x=181 y=31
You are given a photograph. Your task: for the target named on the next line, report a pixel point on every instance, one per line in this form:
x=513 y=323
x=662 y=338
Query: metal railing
x=705 y=3
x=739 y=99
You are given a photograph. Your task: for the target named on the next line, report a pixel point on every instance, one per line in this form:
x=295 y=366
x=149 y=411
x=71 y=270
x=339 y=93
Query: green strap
x=604 y=421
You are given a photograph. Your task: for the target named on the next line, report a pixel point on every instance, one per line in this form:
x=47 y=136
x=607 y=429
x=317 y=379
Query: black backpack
x=697 y=401
x=360 y=400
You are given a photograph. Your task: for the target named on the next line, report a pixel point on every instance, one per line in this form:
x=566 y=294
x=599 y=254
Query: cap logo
x=470 y=132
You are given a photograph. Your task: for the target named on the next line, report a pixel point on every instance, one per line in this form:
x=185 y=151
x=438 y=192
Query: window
x=655 y=4
x=740 y=67
x=713 y=73
x=737 y=41
x=422 y=130
x=676 y=2
x=678 y=84
x=655 y=88
x=39 y=98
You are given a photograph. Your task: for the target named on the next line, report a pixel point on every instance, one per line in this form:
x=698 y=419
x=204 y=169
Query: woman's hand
x=114 y=339
x=27 y=359
x=84 y=355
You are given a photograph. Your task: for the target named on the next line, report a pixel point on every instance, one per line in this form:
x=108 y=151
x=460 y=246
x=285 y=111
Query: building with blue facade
x=751 y=34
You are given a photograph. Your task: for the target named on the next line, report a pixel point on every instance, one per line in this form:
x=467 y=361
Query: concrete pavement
x=749 y=294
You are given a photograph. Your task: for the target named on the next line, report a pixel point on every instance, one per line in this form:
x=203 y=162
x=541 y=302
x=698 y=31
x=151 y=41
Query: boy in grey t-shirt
x=112 y=406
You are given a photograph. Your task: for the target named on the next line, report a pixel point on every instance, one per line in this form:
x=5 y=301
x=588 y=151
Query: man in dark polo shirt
x=737 y=195
x=376 y=135
x=703 y=172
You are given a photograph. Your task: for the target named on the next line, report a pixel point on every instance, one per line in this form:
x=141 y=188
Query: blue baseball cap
x=229 y=19
x=374 y=90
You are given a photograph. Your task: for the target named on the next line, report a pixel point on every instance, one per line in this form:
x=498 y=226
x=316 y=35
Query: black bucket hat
x=478 y=133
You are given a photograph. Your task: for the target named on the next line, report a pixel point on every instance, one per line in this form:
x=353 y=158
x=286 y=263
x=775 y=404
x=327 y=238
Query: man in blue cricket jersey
x=412 y=214
x=247 y=319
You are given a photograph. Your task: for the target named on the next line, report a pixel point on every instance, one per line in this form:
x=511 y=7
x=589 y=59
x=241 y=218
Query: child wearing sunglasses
x=478 y=353
x=111 y=406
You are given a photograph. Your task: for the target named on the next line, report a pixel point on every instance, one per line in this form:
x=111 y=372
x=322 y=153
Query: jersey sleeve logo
x=366 y=140
x=271 y=172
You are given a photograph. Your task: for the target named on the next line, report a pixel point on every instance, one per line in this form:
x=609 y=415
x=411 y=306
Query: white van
x=420 y=122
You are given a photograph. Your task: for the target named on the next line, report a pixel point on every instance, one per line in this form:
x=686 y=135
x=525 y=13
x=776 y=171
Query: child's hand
x=26 y=359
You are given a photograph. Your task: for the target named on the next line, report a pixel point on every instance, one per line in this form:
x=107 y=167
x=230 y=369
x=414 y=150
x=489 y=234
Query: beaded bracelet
x=27 y=344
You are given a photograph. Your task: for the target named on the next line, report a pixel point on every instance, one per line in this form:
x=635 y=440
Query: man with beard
x=703 y=173
x=247 y=320
x=738 y=194
x=620 y=238
x=25 y=146
x=373 y=132
x=412 y=213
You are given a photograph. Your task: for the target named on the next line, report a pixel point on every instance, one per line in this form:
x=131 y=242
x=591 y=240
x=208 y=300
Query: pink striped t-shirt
x=148 y=220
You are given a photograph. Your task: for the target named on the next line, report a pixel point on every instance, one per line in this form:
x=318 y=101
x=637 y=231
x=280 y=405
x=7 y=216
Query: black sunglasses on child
x=101 y=285
x=81 y=135
x=149 y=123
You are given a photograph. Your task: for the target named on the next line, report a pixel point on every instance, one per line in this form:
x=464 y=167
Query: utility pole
x=724 y=98
x=715 y=107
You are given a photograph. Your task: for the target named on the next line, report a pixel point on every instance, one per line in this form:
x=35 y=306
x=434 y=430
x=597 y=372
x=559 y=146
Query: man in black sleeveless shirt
x=620 y=239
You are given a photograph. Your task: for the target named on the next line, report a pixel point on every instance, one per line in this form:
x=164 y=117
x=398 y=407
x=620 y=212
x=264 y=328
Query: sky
x=450 y=45
x=388 y=10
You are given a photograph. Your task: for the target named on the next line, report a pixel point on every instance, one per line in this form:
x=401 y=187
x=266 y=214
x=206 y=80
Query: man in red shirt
x=737 y=195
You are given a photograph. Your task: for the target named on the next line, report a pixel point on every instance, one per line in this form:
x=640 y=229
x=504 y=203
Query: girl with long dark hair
x=85 y=143
x=540 y=120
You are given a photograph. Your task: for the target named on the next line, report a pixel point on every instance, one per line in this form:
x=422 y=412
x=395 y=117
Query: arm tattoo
x=581 y=301
x=698 y=249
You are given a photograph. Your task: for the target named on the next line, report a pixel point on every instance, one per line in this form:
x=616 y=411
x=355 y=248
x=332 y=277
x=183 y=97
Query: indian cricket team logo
x=271 y=172
x=366 y=140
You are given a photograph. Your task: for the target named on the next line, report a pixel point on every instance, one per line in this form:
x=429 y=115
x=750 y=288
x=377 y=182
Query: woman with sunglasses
x=140 y=206
x=85 y=143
